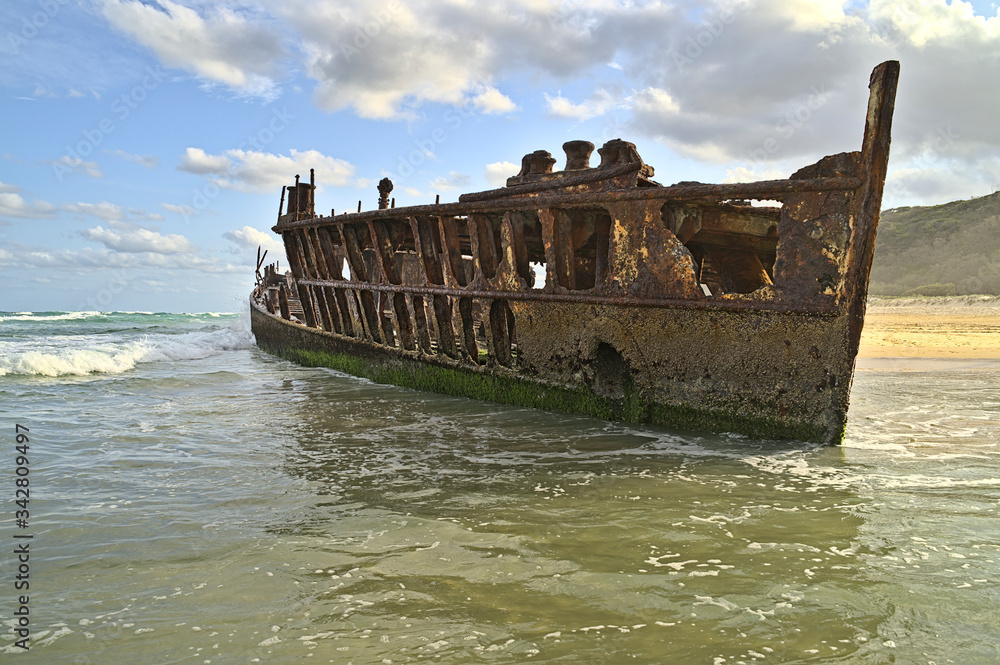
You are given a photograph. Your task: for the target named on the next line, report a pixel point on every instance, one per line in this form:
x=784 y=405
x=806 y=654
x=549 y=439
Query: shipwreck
x=685 y=305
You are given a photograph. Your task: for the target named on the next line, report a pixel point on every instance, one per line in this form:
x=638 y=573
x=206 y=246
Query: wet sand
x=949 y=329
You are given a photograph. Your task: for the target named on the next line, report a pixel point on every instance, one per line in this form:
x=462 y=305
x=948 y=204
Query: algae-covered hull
x=684 y=305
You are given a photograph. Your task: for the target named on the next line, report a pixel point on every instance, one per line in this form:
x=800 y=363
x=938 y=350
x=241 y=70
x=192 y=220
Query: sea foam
x=81 y=355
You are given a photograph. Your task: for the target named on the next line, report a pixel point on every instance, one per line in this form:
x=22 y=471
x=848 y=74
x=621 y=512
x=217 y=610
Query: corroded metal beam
x=761 y=191
x=821 y=309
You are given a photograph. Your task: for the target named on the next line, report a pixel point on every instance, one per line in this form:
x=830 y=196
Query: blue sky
x=145 y=144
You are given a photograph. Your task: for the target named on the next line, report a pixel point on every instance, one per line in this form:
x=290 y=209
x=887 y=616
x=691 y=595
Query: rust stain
x=683 y=297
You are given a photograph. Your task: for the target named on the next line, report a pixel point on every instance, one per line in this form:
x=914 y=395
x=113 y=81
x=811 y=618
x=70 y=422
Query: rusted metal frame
x=283 y=302
x=601 y=260
x=329 y=256
x=497 y=314
x=404 y=324
x=322 y=315
x=698 y=193
x=452 y=246
x=354 y=310
x=588 y=176
x=312 y=264
x=453 y=249
x=587 y=299
x=425 y=233
x=564 y=248
x=390 y=272
x=316 y=253
x=336 y=300
x=468 y=324
x=422 y=333
x=514 y=225
x=370 y=317
x=333 y=308
x=385 y=322
x=347 y=319
x=317 y=266
x=382 y=245
x=314 y=304
x=292 y=253
x=425 y=238
x=330 y=322
x=868 y=199
x=305 y=270
x=547 y=220
x=761 y=245
x=307 y=306
x=329 y=252
x=485 y=254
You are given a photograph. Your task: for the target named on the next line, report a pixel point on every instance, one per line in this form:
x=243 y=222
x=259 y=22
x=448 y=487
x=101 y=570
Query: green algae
x=490 y=386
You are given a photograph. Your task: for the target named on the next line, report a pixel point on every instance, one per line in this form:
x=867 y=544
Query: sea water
x=195 y=500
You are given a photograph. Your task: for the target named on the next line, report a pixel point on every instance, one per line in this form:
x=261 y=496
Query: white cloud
x=454 y=180
x=139 y=240
x=8 y=189
x=140 y=213
x=253 y=171
x=14 y=205
x=746 y=174
x=103 y=210
x=384 y=57
x=498 y=172
x=85 y=261
x=110 y=212
x=492 y=100
x=149 y=161
x=599 y=103
x=187 y=211
x=249 y=239
x=715 y=82
x=225 y=45
x=655 y=100
x=924 y=182
x=67 y=164
x=195 y=160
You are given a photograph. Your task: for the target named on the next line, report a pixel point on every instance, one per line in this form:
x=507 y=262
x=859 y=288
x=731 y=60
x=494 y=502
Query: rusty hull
x=681 y=305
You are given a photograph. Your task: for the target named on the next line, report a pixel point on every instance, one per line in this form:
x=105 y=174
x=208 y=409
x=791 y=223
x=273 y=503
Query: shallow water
x=198 y=501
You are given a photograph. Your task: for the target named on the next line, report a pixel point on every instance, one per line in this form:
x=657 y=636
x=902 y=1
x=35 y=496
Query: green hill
x=948 y=249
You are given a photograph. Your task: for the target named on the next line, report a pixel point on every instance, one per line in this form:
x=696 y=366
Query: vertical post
x=868 y=197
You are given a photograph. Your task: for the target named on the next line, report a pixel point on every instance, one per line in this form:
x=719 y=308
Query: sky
x=145 y=144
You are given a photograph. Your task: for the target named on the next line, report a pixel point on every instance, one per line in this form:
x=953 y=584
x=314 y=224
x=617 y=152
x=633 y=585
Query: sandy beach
x=952 y=329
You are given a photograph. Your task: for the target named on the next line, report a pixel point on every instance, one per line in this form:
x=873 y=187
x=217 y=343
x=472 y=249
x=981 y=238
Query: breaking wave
x=116 y=353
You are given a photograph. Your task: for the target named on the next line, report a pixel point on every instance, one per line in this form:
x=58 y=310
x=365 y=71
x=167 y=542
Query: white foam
x=60 y=316
x=83 y=355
